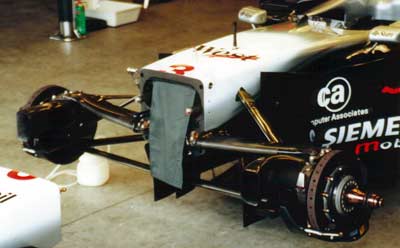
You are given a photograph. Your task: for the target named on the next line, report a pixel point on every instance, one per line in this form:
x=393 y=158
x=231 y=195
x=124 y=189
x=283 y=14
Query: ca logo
x=335 y=95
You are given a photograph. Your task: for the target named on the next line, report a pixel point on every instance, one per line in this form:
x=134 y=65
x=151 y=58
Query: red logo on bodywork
x=375 y=146
x=214 y=52
x=15 y=175
x=181 y=69
x=390 y=90
x=367 y=147
x=234 y=56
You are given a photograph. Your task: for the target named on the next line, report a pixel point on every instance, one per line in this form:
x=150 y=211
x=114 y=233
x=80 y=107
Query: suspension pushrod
x=258 y=117
x=253 y=148
x=103 y=109
x=112 y=97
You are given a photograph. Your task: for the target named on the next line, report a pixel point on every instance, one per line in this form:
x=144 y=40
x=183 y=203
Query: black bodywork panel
x=373 y=102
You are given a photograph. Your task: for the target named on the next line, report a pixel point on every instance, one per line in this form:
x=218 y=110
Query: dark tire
x=44 y=94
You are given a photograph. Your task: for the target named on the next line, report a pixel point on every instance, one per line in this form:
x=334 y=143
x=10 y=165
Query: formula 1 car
x=298 y=112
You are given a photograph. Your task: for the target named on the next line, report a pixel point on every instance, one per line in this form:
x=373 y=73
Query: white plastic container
x=115 y=13
x=92 y=4
x=92 y=170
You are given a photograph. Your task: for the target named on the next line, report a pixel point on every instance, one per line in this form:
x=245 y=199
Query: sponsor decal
x=180 y=69
x=14 y=174
x=391 y=91
x=384 y=127
x=6 y=197
x=335 y=96
x=317 y=26
x=340 y=116
x=213 y=52
x=375 y=146
x=383 y=34
x=19 y=175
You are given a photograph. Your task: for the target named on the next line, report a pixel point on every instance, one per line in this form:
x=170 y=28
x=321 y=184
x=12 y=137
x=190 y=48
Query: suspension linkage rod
x=120 y=159
x=115 y=140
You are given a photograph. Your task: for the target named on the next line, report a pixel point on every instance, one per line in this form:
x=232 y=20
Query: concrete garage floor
x=122 y=213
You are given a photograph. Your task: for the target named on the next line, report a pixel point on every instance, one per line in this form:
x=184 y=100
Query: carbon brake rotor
x=313 y=188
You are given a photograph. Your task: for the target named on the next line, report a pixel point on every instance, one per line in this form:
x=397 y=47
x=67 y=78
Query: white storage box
x=115 y=13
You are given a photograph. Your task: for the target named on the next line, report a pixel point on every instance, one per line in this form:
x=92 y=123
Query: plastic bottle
x=80 y=18
x=92 y=170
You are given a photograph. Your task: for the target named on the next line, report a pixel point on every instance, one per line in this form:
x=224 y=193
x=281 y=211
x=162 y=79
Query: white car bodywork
x=221 y=69
x=30 y=211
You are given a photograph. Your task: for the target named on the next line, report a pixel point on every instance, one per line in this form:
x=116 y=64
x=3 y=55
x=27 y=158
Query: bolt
x=325 y=194
x=188 y=111
x=194 y=136
x=329 y=179
x=312 y=159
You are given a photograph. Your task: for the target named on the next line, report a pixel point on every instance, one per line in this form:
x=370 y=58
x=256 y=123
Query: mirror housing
x=252 y=15
x=385 y=34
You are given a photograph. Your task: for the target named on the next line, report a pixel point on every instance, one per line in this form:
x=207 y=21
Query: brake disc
x=328 y=210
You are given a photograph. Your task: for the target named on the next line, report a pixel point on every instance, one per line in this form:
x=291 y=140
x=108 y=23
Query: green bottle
x=80 y=19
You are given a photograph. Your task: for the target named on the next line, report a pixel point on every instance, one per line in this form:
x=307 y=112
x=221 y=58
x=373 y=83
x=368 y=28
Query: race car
x=298 y=114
